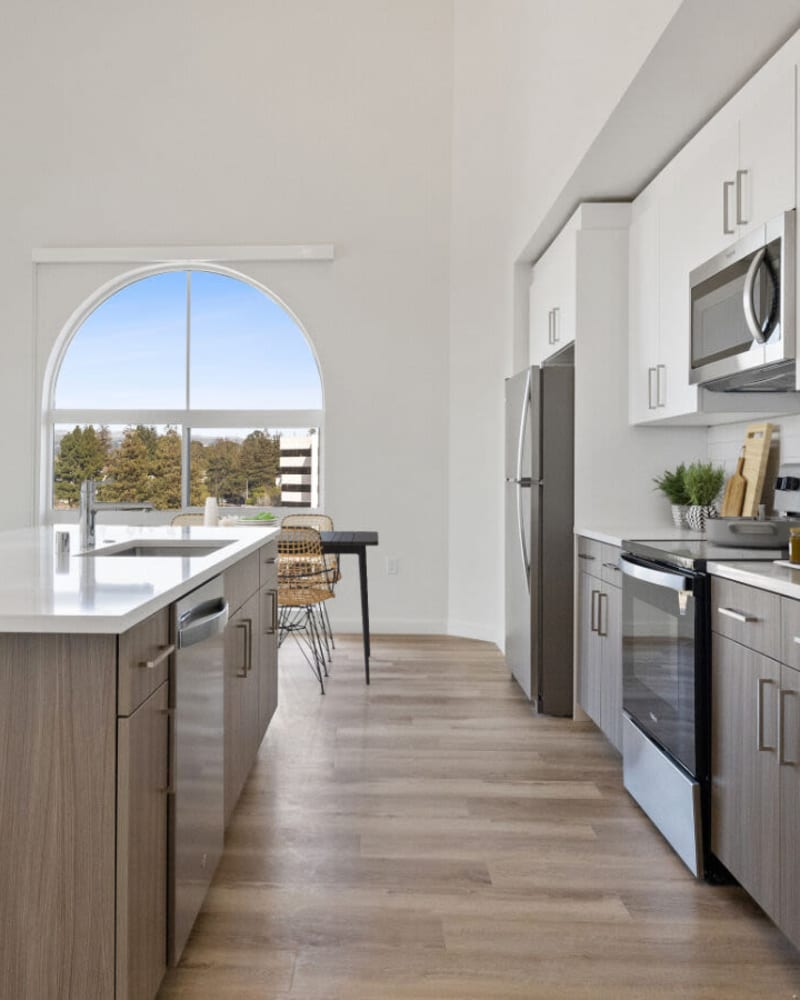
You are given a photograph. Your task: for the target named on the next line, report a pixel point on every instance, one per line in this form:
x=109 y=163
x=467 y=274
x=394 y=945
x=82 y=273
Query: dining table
x=355 y=543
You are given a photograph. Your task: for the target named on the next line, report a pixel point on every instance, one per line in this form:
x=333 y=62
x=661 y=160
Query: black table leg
x=362 y=572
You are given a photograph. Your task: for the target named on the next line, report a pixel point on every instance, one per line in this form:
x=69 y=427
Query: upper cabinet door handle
x=726 y=227
x=556 y=325
x=740 y=219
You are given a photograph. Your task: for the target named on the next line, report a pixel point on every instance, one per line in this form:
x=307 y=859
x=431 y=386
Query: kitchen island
x=87 y=741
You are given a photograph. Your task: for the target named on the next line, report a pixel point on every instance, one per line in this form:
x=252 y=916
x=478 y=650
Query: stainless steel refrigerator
x=539 y=508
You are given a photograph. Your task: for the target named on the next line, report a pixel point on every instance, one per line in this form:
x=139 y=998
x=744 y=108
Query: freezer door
x=522 y=425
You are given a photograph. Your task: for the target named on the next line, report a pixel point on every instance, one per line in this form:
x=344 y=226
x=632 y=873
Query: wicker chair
x=321 y=522
x=186 y=519
x=303 y=588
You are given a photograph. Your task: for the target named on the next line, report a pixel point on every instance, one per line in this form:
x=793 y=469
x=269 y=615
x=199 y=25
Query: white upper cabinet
x=765 y=182
x=552 y=297
x=737 y=173
x=643 y=323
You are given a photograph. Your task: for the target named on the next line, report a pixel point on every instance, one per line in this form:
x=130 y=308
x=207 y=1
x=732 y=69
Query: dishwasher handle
x=202 y=622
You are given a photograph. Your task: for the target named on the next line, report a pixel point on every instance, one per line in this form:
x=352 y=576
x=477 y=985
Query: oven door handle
x=659 y=578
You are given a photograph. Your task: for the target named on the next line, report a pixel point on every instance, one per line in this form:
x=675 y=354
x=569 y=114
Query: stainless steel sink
x=159 y=549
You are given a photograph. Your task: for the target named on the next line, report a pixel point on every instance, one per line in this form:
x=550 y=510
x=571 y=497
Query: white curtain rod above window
x=183 y=254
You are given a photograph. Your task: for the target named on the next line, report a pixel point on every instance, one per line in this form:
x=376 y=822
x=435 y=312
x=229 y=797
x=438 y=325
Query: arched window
x=185 y=384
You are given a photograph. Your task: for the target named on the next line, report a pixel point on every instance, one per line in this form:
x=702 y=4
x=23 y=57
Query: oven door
x=662 y=640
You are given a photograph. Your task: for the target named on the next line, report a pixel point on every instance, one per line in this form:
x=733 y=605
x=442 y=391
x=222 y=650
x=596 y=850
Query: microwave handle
x=753 y=323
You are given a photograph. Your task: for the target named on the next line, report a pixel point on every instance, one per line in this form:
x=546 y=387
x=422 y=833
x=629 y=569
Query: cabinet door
x=563 y=262
x=267 y=658
x=790 y=803
x=695 y=211
x=589 y=651
x=241 y=699
x=767 y=128
x=744 y=768
x=643 y=323
x=142 y=775
x=610 y=614
x=540 y=318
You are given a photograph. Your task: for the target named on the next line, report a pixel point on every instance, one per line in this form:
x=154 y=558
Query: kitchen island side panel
x=57 y=816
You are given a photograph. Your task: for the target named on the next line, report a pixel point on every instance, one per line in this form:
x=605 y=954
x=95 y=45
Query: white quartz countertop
x=616 y=534
x=766 y=575
x=43 y=592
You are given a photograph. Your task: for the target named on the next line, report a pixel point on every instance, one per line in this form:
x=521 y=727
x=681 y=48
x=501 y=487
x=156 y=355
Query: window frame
x=183 y=419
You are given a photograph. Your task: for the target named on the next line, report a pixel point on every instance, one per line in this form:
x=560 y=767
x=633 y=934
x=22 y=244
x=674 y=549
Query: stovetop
x=695 y=553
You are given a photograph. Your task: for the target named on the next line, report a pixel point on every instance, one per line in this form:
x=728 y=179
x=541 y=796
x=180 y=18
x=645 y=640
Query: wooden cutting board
x=733 y=500
x=756 y=455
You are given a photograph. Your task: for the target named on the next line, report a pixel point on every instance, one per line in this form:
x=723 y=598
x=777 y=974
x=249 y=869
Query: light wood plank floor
x=428 y=838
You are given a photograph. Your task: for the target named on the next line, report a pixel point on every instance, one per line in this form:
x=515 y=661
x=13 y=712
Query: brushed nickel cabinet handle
x=761 y=682
x=611 y=565
x=271 y=624
x=556 y=325
x=781 y=730
x=650 y=373
x=726 y=229
x=659 y=370
x=549 y=326
x=738 y=616
x=595 y=605
x=164 y=654
x=740 y=219
x=245 y=625
x=600 y=598
x=588 y=558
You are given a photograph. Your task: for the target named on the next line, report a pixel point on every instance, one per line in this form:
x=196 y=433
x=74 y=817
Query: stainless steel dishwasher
x=196 y=819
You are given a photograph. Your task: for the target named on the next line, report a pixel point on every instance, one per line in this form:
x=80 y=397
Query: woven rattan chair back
x=303 y=576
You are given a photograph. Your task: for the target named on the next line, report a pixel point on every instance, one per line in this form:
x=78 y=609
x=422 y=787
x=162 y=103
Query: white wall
x=531 y=90
x=198 y=122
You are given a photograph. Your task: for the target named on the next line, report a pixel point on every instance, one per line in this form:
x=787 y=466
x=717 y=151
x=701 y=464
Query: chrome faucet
x=90 y=506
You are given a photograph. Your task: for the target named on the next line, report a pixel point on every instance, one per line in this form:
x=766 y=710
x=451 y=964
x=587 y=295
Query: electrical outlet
x=392 y=567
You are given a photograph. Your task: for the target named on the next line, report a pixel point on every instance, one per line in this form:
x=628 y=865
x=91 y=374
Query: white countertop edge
x=615 y=535
x=244 y=542
x=763 y=575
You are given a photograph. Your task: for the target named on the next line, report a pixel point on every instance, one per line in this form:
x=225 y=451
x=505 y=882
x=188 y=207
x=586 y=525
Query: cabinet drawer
x=609 y=565
x=790 y=632
x=590 y=556
x=747 y=615
x=143 y=661
x=241 y=581
x=268 y=565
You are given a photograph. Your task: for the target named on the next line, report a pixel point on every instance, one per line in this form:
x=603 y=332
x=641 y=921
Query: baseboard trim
x=473 y=630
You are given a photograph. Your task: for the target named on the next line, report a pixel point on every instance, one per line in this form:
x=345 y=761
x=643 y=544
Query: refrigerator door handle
x=523 y=423
x=523 y=546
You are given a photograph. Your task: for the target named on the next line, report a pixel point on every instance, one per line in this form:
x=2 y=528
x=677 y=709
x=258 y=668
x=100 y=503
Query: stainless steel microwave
x=743 y=313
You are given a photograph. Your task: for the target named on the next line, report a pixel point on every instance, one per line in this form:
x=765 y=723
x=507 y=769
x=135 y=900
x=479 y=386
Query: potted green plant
x=703 y=483
x=673 y=485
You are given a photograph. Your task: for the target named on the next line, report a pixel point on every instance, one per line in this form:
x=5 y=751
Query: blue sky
x=246 y=351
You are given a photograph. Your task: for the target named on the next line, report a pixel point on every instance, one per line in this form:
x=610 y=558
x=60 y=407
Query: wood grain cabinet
x=84 y=777
x=599 y=634
x=142 y=785
x=251 y=666
x=755 y=756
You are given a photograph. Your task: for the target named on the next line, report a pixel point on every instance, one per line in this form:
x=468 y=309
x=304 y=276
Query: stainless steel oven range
x=666 y=685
